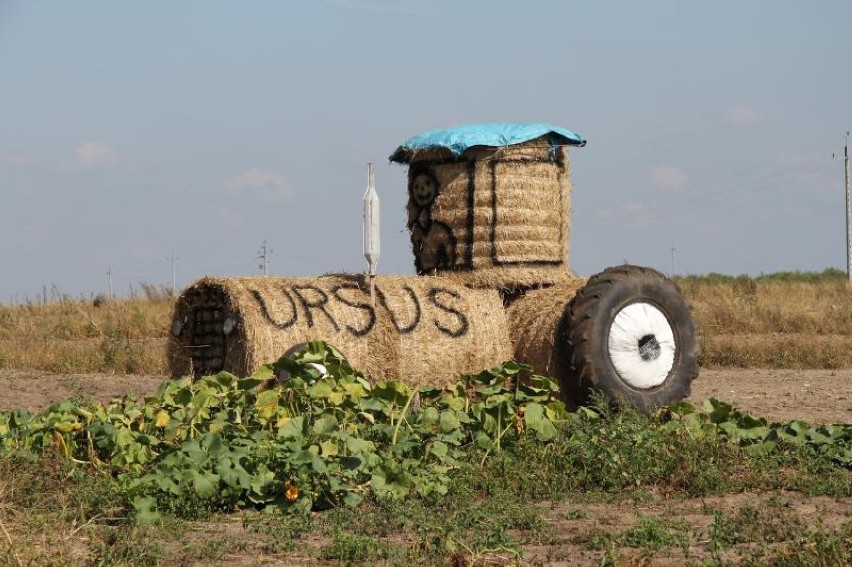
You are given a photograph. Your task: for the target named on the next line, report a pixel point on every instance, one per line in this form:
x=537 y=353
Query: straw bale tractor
x=489 y=216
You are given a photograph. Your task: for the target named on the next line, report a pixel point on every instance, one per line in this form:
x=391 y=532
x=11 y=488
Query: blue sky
x=128 y=130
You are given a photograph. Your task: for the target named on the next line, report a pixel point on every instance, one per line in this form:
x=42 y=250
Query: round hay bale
x=419 y=330
x=534 y=326
x=496 y=217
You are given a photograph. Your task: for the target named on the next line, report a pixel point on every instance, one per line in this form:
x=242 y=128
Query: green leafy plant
x=326 y=437
x=757 y=436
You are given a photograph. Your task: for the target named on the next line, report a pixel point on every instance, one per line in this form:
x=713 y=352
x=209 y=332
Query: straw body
x=421 y=330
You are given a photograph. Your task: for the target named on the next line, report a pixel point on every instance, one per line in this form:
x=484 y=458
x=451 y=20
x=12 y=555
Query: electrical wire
x=736 y=191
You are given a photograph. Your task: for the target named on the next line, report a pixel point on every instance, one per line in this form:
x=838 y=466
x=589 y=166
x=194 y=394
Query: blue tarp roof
x=496 y=135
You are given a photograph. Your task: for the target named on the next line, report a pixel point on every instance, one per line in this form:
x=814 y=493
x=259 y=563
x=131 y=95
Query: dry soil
x=819 y=396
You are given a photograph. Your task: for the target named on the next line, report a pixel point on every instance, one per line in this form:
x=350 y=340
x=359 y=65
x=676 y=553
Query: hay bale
x=421 y=330
x=496 y=217
x=534 y=323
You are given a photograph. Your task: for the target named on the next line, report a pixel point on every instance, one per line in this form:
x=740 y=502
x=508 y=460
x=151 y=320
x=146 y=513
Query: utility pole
x=174 y=273
x=848 y=216
x=263 y=255
x=111 y=290
x=672 y=249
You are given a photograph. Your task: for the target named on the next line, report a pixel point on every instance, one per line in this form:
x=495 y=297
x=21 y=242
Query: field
x=616 y=488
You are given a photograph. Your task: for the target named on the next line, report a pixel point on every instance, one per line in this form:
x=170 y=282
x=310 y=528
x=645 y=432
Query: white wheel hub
x=641 y=345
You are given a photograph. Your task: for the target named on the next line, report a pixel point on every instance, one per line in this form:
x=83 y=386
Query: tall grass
x=782 y=320
x=78 y=335
x=789 y=302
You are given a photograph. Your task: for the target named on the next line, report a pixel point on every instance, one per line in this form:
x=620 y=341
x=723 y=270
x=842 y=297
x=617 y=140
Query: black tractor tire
x=629 y=333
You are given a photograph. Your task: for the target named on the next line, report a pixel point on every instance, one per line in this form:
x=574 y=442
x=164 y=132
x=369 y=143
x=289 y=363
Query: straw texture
x=496 y=217
x=423 y=331
x=534 y=323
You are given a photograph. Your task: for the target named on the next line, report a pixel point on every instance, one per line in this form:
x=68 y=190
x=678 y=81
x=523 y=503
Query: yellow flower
x=292 y=493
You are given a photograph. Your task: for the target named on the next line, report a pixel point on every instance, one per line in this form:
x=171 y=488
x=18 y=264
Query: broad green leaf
x=694 y=423
x=205 y=484
x=322 y=390
x=448 y=421
x=292 y=427
x=267 y=404
x=761 y=449
x=352 y=499
x=533 y=414
x=394 y=392
x=556 y=411
x=259 y=376
x=536 y=421
x=439 y=449
x=484 y=441
x=329 y=448
x=356 y=390
x=145 y=510
x=182 y=397
x=351 y=462
x=391 y=485
x=356 y=445
x=325 y=425
x=319 y=465
x=717 y=411
x=223 y=378
x=261 y=483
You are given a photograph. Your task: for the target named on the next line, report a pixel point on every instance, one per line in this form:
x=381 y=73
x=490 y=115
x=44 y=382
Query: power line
x=712 y=198
x=745 y=169
x=704 y=203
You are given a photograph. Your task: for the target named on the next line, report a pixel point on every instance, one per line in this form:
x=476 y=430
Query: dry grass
x=786 y=320
x=771 y=304
x=77 y=336
x=777 y=321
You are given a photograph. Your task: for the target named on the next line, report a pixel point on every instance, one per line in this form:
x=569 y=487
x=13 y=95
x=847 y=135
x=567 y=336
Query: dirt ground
x=576 y=528
x=819 y=396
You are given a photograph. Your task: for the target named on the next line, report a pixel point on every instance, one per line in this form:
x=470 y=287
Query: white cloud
x=741 y=115
x=96 y=155
x=259 y=182
x=668 y=177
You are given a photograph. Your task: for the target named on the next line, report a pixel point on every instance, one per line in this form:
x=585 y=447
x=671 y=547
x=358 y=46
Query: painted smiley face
x=423 y=189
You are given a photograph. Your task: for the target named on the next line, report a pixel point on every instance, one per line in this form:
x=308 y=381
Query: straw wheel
x=631 y=335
